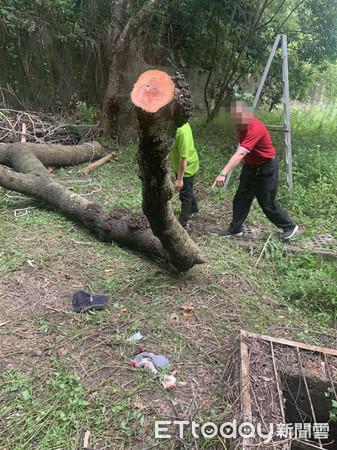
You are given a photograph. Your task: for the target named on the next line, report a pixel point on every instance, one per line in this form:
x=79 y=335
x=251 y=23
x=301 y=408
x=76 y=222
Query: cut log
x=23 y=133
x=152 y=90
x=120 y=225
x=98 y=163
x=157 y=129
x=55 y=154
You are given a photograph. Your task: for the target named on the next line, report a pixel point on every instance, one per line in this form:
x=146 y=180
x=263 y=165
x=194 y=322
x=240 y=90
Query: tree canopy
x=230 y=40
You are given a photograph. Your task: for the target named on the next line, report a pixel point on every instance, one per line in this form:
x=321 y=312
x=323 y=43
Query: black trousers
x=260 y=182
x=186 y=194
x=189 y=203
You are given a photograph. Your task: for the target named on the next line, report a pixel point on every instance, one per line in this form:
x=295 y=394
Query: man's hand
x=233 y=162
x=178 y=185
x=219 y=181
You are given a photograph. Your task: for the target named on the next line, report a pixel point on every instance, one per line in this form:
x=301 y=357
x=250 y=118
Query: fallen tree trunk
x=120 y=225
x=157 y=132
x=162 y=105
x=54 y=154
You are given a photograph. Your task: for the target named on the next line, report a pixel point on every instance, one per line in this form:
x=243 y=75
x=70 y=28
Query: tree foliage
x=227 y=39
x=230 y=39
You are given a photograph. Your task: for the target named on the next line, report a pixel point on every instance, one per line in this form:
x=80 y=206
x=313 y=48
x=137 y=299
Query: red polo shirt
x=256 y=140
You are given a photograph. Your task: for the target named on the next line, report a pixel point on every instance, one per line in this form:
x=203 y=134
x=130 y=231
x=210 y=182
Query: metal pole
x=266 y=70
x=287 y=136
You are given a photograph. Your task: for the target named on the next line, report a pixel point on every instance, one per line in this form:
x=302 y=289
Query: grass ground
x=62 y=374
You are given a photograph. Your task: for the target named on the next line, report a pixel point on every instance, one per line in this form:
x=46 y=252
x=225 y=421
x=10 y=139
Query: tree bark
x=157 y=129
x=157 y=133
x=53 y=154
x=122 y=58
x=120 y=225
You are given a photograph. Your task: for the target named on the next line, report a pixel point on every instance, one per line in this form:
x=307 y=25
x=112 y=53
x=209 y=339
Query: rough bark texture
x=53 y=154
x=123 y=56
x=156 y=138
x=120 y=225
x=157 y=132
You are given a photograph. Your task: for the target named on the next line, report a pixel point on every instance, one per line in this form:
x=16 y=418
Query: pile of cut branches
x=38 y=127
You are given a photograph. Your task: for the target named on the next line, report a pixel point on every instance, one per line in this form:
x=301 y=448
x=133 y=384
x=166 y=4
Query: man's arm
x=232 y=163
x=181 y=171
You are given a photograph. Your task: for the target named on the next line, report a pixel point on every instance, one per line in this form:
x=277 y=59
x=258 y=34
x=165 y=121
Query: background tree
x=311 y=29
x=326 y=82
x=231 y=39
x=94 y=50
x=129 y=19
x=51 y=50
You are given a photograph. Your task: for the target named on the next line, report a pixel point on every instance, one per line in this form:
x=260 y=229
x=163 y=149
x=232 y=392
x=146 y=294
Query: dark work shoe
x=227 y=233
x=289 y=234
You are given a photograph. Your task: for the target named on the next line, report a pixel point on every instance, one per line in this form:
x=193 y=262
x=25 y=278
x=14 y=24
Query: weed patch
x=50 y=410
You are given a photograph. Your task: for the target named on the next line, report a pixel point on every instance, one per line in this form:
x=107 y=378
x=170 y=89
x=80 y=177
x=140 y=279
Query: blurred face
x=241 y=114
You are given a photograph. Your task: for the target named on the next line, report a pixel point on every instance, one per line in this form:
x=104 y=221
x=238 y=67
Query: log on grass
x=162 y=105
x=120 y=225
x=54 y=154
x=98 y=163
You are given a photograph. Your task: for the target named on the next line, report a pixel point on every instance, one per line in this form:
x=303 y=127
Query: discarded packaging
x=154 y=363
x=136 y=337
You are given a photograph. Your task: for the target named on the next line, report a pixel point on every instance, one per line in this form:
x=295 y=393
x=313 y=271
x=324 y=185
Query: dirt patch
x=40 y=334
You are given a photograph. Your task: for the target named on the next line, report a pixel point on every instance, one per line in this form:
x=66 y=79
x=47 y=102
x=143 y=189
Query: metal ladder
x=286 y=127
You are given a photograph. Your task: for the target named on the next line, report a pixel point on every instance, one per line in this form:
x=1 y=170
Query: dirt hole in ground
x=298 y=409
x=291 y=386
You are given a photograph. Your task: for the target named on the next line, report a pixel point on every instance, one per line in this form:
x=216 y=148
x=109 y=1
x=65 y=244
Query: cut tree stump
x=171 y=106
x=162 y=105
x=153 y=90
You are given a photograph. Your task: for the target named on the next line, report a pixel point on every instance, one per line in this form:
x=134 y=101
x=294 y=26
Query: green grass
x=46 y=410
x=62 y=374
x=313 y=199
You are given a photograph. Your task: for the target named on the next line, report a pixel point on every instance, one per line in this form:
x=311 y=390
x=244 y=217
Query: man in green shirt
x=185 y=162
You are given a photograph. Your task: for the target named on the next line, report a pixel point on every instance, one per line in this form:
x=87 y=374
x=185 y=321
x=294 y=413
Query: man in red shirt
x=259 y=175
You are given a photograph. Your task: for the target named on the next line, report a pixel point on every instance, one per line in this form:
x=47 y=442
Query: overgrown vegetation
x=37 y=403
x=62 y=374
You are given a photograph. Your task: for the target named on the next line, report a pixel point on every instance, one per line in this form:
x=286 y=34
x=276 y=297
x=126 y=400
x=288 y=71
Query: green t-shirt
x=184 y=148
